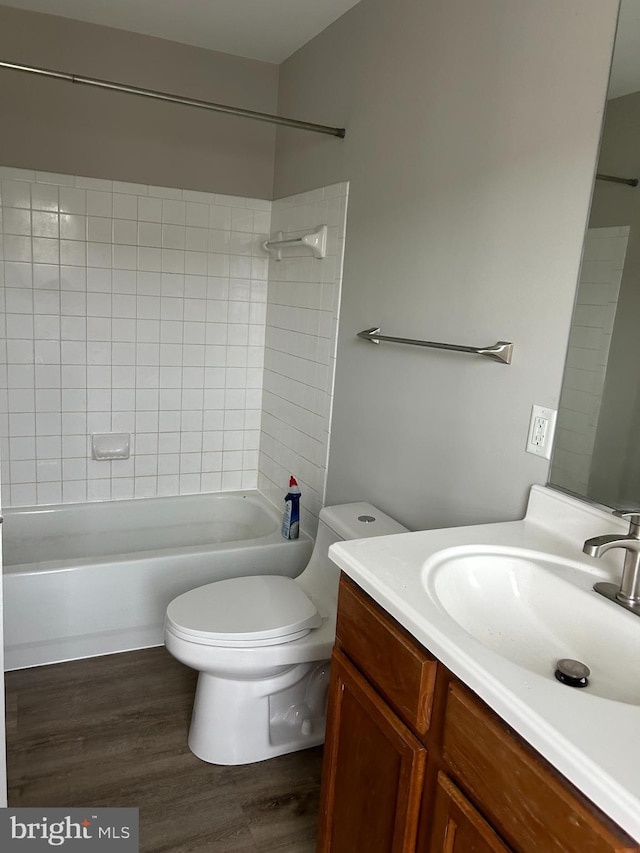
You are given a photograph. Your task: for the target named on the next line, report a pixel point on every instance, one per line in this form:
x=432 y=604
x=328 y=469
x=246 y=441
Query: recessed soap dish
x=110 y=445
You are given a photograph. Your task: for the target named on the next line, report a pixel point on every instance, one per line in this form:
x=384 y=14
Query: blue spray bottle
x=291 y=518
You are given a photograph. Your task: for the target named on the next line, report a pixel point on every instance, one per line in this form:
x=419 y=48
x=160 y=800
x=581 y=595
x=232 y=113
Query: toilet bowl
x=262 y=646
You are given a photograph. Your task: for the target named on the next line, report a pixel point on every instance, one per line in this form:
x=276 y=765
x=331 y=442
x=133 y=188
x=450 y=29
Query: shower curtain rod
x=630 y=182
x=176 y=99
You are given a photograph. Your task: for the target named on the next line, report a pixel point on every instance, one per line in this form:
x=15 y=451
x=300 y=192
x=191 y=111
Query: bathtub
x=92 y=579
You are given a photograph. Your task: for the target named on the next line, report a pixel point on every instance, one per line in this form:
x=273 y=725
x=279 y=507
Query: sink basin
x=533 y=609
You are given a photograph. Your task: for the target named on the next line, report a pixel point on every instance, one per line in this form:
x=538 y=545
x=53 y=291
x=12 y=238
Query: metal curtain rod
x=630 y=182
x=176 y=99
x=501 y=351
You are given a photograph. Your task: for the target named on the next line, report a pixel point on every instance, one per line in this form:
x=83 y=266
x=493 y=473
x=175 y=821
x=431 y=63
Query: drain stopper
x=573 y=673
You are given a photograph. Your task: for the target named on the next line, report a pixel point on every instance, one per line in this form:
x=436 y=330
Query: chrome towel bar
x=501 y=351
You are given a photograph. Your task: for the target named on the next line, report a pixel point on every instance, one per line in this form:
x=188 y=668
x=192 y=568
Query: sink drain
x=573 y=673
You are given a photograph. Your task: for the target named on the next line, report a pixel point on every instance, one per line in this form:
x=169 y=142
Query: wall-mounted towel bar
x=501 y=351
x=316 y=241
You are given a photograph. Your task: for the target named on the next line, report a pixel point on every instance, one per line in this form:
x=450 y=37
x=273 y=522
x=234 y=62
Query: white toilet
x=262 y=646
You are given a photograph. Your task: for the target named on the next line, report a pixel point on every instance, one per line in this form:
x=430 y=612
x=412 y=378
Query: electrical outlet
x=541 y=429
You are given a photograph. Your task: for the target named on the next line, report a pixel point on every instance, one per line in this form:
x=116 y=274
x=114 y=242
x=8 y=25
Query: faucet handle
x=633 y=517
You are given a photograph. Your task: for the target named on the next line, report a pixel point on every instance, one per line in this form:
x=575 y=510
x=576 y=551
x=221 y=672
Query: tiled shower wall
x=587 y=356
x=128 y=308
x=299 y=368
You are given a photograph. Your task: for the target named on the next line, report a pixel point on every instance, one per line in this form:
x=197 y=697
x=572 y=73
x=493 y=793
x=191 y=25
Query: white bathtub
x=93 y=579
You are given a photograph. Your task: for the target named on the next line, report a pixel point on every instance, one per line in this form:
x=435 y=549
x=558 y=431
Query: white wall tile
x=72 y=201
x=301 y=312
x=110 y=327
x=128 y=320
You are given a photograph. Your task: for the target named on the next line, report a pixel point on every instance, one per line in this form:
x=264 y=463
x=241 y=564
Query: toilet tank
x=359 y=521
x=342 y=522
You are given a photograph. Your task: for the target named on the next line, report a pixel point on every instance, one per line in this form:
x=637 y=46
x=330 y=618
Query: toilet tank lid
x=352 y=521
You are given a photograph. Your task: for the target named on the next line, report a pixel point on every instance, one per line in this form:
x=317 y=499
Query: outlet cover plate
x=542 y=427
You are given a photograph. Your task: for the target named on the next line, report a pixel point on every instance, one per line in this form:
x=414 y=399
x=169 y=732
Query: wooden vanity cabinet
x=456 y=827
x=415 y=762
x=374 y=777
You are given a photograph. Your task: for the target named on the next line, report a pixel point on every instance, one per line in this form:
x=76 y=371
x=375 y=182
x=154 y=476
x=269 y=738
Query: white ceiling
x=270 y=30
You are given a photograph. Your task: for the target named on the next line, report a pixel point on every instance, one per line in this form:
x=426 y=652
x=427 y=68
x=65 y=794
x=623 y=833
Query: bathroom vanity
x=442 y=739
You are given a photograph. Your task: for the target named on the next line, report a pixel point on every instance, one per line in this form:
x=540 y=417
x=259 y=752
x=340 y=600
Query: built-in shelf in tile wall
x=143 y=310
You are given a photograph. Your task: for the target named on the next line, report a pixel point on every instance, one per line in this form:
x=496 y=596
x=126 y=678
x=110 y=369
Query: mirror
x=597 y=448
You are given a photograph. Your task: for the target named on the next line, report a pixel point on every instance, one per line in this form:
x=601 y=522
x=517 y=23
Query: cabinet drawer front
x=519 y=794
x=400 y=669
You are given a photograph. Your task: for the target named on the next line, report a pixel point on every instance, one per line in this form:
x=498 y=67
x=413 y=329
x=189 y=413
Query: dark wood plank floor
x=112 y=731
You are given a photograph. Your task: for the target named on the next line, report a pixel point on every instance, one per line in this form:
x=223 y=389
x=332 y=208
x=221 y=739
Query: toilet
x=262 y=646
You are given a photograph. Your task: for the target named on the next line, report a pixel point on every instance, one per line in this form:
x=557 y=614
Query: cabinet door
x=373 y=771
x=457 y=826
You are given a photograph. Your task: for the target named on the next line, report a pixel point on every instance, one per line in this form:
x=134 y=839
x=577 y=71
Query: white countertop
x=593 y=741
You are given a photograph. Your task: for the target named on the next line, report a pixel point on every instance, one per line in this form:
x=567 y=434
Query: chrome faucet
x=628 y=593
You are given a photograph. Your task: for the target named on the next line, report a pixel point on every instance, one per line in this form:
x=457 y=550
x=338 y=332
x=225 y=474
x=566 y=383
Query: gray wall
x=55 y=126
x=615 y=473
x=472 y=135
x=472 y=132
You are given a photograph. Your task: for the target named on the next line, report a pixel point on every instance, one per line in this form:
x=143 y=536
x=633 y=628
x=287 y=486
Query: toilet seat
x=262 y=610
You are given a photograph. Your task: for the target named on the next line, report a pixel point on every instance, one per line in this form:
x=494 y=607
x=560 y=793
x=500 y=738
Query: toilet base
x=243 y=721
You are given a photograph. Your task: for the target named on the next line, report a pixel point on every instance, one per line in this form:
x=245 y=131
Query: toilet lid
x=257 y=610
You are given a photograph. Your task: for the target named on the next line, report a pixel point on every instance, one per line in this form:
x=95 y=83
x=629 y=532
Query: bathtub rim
x=64 y=564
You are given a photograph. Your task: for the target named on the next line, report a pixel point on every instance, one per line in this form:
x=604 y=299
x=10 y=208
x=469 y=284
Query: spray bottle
x=291 y=518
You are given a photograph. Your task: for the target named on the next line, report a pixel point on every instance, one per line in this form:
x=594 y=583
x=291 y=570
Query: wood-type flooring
x=112 y=731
